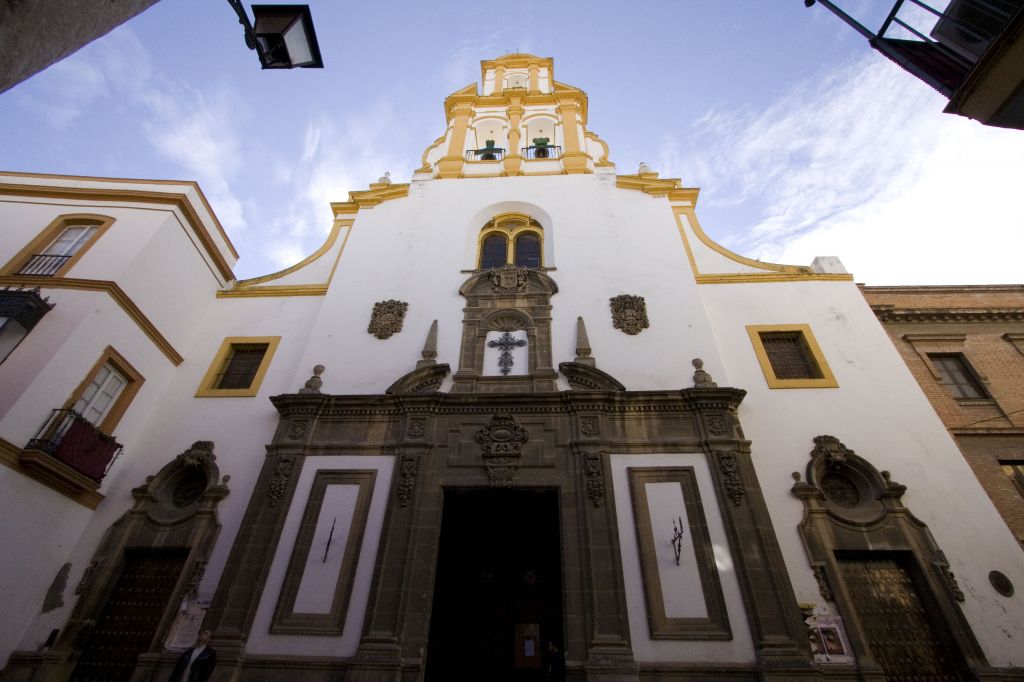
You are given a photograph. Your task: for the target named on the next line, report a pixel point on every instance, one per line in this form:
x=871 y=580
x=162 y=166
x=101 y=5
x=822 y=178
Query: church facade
x=518 y=410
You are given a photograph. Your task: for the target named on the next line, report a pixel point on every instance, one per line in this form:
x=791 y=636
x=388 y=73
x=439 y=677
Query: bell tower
x=518 y=121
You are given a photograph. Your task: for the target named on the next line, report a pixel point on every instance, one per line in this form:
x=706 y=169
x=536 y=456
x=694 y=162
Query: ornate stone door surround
x=176 y=508
x=559 y=440
x=853 y=509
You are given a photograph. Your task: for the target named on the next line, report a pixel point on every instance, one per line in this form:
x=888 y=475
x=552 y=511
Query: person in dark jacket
x=197 y=663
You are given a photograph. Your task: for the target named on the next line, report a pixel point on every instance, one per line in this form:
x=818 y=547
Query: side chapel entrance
x=498 y=591
x=128 y=622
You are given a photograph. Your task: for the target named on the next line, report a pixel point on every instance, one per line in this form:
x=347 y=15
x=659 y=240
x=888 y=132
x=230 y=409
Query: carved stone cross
x=506 y=342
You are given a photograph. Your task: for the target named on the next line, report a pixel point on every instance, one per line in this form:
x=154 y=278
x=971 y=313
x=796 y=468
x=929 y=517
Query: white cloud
x=860 y=164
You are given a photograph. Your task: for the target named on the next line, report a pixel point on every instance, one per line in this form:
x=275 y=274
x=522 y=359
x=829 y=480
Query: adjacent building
x=520 y=403
x=965 y=347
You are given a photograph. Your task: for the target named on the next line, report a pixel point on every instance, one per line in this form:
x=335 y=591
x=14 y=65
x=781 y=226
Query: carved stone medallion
x=629 y=313
x=387 y=318
x=508 y=278
x=501 y=445
x=589 y=426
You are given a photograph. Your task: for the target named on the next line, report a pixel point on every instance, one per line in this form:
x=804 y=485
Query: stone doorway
x=498 y=590
x=131 y=616
x=905 y=633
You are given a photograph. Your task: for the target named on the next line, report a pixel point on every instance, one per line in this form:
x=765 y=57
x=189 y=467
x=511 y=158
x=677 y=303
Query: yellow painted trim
x=51 y=232
x=649 y=183
x=424 y=164
x=10 y=456
x=93 y=178
x=113 y=290
x=297 y=289
x=827 y=379
x=776 y=272
x=275 y=290
x=603 y=159
x=378 y=193
x=179 y=201
x=206 y=388
x=755 y=277
x=332 y=237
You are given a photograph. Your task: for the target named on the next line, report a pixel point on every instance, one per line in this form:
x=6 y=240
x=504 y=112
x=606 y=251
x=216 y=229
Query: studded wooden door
x=904 y=636
x=129 y=620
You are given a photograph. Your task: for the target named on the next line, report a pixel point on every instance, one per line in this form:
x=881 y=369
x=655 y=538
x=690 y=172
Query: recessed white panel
x=320 y=576
x=680 y=585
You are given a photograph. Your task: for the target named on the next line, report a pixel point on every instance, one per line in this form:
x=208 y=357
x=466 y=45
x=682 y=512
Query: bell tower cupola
x=518 y=121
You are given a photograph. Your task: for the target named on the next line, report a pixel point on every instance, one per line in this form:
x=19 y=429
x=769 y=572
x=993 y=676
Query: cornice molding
x=110 y=288
x=649 y=183
x=174 y=199
x=891 y=314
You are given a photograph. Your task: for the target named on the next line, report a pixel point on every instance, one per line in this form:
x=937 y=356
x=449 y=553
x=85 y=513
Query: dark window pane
x=1014 y=469
x=528 y=251
x=789 y=356
x=493 y=252
x=242 y=365
x=957 y=376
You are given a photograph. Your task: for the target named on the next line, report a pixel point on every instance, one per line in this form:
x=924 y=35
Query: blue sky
x=804 y=141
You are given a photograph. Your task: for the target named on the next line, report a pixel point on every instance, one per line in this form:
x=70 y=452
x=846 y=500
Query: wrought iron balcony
x=75 y=441
x=485 y=154
x=549 y=151
x=43 y=265
x=955 y=47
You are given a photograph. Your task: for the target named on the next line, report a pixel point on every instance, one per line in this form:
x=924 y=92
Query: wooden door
x=128 y=621
x=905 y=637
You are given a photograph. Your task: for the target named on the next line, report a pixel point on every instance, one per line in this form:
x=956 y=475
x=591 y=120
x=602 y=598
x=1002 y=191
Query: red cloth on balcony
x=86 y=449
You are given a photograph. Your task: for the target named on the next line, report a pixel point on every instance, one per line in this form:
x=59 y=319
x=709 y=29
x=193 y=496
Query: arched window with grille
x=511 y=238
x=528 y=250
x=493 y=251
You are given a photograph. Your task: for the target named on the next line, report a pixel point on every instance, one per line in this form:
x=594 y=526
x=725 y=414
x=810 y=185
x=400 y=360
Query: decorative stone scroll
x=283 y=471
x=387 y=317
x=731 y=480
x=629 y=313
x=407 y=483
x=595 y=478
x=501 y=445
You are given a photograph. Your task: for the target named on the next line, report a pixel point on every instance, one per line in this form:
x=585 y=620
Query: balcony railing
x=485 y=154
x=43 y=265
x=550 y=151
x=72 y=439
x=938 y=42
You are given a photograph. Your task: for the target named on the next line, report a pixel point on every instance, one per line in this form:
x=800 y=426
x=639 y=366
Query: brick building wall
x=981 y=328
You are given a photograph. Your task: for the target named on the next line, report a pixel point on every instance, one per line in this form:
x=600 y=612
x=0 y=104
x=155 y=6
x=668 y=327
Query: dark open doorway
x=498 y=591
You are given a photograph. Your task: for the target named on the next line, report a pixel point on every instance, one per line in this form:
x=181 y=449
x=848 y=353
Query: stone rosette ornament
x=629 y=313
x=386 y=319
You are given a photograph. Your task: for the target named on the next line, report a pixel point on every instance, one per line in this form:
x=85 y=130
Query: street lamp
x=283 y=35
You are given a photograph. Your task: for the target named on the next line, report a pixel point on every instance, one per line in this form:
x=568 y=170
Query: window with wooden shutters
x=238 y=367
x=242 y=365
x=790 y=356
x=1014 y=470
x=957 y=375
